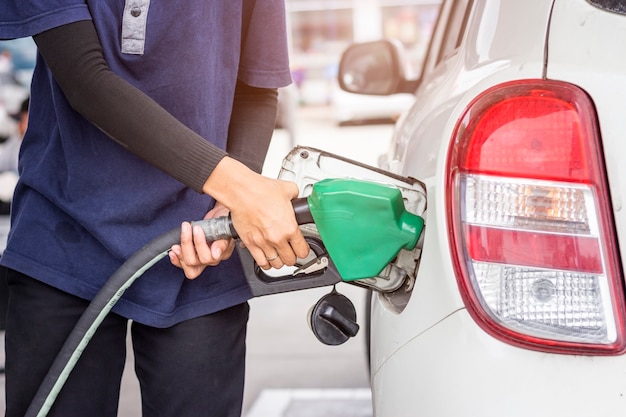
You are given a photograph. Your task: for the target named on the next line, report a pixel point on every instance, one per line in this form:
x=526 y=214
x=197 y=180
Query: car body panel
x=465 y=372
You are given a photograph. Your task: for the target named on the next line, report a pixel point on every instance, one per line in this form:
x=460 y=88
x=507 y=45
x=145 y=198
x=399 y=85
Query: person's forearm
x=74 y=55
x=252 y=124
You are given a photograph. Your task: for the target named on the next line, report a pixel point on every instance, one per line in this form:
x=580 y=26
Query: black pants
x=195 y=368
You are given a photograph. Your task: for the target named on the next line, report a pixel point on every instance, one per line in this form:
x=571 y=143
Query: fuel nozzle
x=363 y=225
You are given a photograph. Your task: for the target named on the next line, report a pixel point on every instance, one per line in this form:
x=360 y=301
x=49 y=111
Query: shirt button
x=135 y=11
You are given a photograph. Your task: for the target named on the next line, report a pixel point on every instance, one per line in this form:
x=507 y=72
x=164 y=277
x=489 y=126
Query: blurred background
x=321 y=29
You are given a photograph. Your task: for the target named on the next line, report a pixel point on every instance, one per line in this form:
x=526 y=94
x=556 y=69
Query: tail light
x=532 y=231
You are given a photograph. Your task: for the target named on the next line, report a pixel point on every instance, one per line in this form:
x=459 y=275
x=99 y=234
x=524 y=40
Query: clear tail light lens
x=532 y=230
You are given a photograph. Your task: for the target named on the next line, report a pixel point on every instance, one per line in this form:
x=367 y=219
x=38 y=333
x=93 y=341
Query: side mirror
x=374 y=68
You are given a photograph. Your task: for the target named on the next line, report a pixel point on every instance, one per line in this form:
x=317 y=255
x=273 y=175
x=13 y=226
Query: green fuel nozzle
x=362 y=224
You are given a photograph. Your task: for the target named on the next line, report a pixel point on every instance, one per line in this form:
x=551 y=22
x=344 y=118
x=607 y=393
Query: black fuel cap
x=333 y=319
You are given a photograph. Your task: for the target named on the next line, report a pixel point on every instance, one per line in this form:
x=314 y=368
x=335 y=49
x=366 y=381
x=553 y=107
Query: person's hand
x=194 y=253
x=261 y=211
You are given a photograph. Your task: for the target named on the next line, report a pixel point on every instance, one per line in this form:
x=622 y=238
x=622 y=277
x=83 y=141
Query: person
x=144 y=115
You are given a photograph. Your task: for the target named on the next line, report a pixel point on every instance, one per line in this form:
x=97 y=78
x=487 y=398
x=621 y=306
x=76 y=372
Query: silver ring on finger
x=272 y=258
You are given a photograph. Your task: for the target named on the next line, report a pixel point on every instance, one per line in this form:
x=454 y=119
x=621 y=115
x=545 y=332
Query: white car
x=349 y=108
x=517 y=132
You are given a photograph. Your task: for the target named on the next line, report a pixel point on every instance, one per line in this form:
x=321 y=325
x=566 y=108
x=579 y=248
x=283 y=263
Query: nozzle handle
x=302 y=210
x=217 y=228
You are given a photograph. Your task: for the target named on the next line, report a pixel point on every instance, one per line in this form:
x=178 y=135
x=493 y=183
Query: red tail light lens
x=532 y=229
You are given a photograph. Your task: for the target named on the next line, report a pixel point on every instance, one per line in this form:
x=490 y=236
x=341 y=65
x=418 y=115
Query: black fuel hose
x=112 y=291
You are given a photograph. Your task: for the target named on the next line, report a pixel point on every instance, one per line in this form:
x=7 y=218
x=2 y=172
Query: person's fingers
x=175 y=255
x=191 y=272
x=266 y=257
x=193 y=260
x=259 y=256
x=201 y=249
x=273 y=258
x=295 y=247
x=189 y=256
x=272 y=249
x=285 y=253
x=292 y=247
x=223 y=249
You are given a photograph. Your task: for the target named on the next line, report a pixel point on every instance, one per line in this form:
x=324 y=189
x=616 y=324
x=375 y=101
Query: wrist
x=229 y=179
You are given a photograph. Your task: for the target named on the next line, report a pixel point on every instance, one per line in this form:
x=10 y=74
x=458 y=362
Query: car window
x=448 y=33
x=455 y=28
